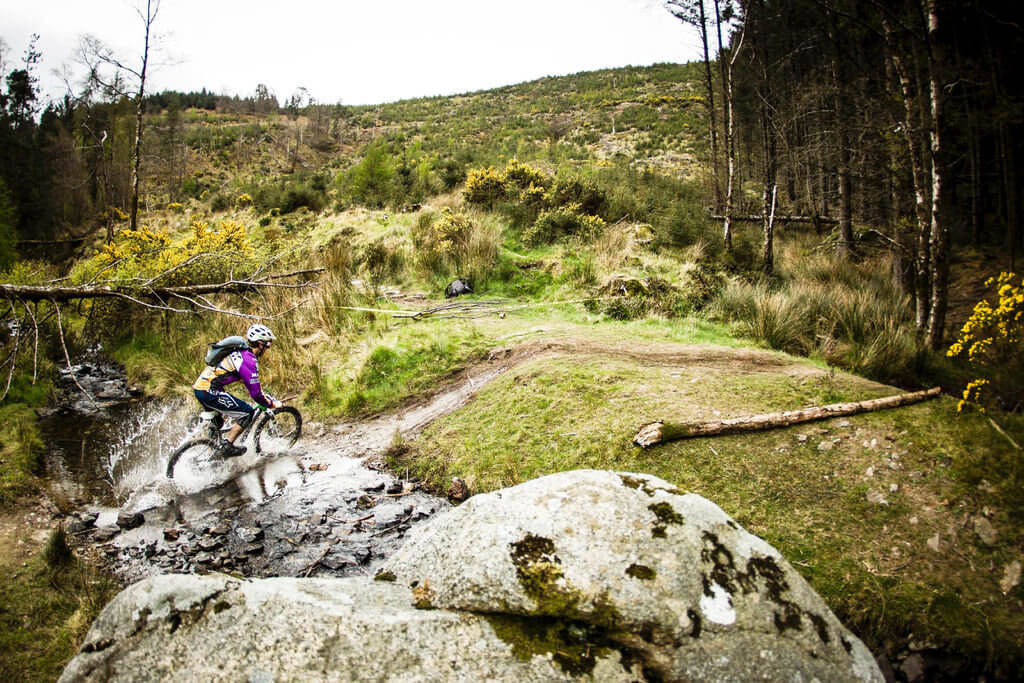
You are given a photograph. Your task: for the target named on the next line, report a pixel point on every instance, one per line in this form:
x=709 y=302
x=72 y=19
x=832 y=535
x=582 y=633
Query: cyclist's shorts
x=226 y=404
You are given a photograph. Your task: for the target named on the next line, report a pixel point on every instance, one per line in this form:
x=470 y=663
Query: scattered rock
x=826 y=446
x=1011 y=577
x=130 y=520
x=105 y=533
x=984 y=529
x=933 y=542
x=877 y=498
x=249 y=534
x=458 y=491
x=395 y=486
x=912 y=668
x=172 y=534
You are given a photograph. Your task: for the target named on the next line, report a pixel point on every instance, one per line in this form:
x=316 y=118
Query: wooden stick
x=661 y=432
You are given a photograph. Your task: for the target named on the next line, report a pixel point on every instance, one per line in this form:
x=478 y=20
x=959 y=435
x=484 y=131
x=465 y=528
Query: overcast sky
x=365 y=52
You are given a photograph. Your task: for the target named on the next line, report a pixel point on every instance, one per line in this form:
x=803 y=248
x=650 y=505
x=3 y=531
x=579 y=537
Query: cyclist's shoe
x=230 y=450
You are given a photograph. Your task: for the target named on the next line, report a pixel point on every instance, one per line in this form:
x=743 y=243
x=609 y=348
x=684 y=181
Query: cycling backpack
x=219 y=350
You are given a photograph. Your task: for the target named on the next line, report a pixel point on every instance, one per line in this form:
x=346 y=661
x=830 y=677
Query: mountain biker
x=240 y=365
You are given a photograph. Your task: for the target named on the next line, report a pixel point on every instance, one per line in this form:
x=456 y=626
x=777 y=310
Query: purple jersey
x=240 y=366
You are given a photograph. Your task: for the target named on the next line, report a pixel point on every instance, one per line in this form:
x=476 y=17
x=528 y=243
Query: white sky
x=354 y=52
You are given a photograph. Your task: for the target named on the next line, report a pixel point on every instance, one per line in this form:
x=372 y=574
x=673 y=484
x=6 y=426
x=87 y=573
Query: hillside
x=577 y=207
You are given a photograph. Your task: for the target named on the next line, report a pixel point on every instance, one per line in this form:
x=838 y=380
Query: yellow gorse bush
x=991 y=339
x=206 y=254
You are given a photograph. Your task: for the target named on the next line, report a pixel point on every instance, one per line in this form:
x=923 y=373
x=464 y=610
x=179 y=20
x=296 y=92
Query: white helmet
x=259 y=333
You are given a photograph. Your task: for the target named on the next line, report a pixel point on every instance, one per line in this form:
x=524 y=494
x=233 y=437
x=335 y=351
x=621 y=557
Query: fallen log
x=778 y=219
x=660 y=432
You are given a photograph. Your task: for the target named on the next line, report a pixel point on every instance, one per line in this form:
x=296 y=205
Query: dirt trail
x=365 y=439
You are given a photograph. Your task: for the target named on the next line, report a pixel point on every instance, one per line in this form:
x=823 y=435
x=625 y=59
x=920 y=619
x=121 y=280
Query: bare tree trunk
x=712 y=119
x=140 y=107
x=938 y=242
x=911 y=132
x=726 y=65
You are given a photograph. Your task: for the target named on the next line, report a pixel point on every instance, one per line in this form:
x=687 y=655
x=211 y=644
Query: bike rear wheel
x=192 y=455
x=278 y=429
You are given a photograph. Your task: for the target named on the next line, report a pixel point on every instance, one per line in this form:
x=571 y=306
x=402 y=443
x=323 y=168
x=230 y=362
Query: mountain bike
x=270 y=428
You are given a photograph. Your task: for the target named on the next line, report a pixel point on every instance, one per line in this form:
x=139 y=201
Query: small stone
x=395 y=487
x=130 y=520
x=249 y=534
x=846 y=424
x=1011 y=577
x=825 y=446
x=172 y=534
x=870 y=471
x=364 y=501
x=219 y=530
x=105 y=533
x=985 y=530
x=374 y=488
x=207 y=543
x=913 y=668
x=913 y=520
x=802 y=438
x=893 y=488
x=254 y=549
x=933 y=542
x=458 y=491
x=877 y=498
x=204 y=558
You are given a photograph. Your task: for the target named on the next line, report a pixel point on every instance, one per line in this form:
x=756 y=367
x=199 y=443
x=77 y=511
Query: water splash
x=142 y=442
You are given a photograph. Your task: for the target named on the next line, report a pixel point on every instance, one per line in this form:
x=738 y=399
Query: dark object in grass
x=57 y=553
x=458 y=288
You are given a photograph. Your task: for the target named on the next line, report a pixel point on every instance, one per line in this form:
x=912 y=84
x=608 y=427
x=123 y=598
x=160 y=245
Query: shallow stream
x=319 y=508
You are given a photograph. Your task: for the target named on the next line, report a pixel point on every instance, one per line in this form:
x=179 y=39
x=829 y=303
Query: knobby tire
x=270 y=426
x=177 y=456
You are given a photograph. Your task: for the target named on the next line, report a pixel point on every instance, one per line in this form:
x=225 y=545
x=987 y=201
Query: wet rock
x=249 y=534
x=172 y=534
x=375 y=488
x=386 y=516
x=105 y=533
x=365 y=502
x=210 y=543
x=130 y=520
x=395 y=487
x=204 y=558
x=458 y=491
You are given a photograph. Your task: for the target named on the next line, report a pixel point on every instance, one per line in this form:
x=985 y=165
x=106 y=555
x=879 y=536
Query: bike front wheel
x=192 y=456
x=279 y=429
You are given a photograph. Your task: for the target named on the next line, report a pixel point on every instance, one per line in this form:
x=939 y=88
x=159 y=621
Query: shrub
x=991 y=342
x=485 y=186
x=454 y=244
x=563 y=221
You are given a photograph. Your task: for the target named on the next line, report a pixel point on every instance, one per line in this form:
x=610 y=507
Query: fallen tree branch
x=779 y=219
x=109 y=291
x=656 y=433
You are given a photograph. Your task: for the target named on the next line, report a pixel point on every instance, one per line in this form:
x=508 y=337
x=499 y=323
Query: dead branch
x=661 y=432
x=67 y=357
x=135 y=291
x=778 y=219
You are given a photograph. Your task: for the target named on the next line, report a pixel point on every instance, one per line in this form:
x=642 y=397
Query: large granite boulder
x=666 y=577
x=580 y=575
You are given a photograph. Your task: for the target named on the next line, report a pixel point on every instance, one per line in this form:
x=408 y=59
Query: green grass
x=44 y=615
x=870 y=562
x=21 y=449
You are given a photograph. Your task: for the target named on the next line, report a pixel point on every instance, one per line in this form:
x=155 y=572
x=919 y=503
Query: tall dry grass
x=849 y=314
